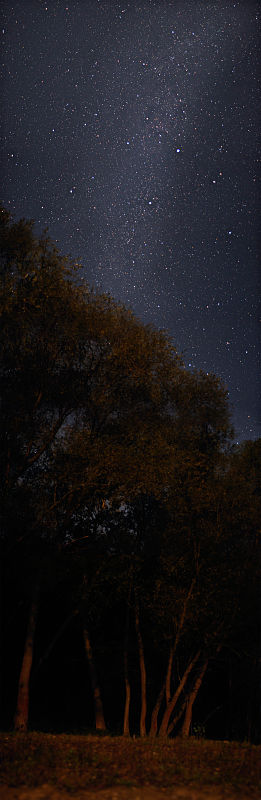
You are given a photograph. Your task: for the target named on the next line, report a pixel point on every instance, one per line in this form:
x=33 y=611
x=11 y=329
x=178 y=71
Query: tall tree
x=101 y=421
x=75 y=366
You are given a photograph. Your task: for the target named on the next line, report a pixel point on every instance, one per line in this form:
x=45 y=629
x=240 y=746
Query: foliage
x=121 y=494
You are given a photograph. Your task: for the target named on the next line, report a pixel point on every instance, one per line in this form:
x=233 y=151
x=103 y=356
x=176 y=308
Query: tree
x=75 y=365
x=42 y=313
x=102 y=422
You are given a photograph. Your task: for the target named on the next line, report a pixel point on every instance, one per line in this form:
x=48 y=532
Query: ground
x=47 y=792
x=43 y=766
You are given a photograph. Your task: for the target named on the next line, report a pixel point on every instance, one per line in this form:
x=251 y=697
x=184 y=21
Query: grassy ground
x=74 y=763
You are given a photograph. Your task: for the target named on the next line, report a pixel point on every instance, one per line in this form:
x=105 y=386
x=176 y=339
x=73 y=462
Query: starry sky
x=131 y=130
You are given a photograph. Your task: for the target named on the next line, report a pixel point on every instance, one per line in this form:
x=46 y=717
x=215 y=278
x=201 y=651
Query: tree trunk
x=191 y=700
x=176 y=719
x=164 y=689
x=22 y=706
x=98 y=706
x=155 y=713
x=166 y=686
x=170 y=707
x=142 y=673
x=169 y=672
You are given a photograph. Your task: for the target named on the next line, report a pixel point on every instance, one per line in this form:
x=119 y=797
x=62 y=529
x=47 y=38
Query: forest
x=130 y=519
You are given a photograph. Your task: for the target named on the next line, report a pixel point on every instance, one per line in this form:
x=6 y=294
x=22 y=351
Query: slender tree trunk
x=169 y=671
x=143 y=680
x=176 y=719
x=155 y=713
x=22 y=706
x=176 y=642
x=166 y=686
x=191 y=700
x=167 y=714
x=98 y=706
x=165 y=689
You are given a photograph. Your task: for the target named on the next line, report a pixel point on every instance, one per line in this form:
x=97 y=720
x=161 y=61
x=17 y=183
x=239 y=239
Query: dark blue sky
x=131 y=130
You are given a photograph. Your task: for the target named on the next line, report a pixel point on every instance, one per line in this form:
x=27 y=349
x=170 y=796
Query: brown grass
x=84 y=762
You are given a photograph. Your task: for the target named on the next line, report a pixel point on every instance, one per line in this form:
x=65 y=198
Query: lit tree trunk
x=166 y=686
x=98 y=707
x=165 y=689
x=191 y=700
x=176 y=719
x=155 y=713
x=22 y=706
x=142 y=673
x=171 y=705
x=169 y=672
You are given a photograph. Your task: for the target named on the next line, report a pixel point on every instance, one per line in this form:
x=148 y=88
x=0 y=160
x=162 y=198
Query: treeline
x=130 y=551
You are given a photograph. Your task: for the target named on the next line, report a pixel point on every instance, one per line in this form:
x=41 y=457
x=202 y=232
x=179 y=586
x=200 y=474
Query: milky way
x=131 y=130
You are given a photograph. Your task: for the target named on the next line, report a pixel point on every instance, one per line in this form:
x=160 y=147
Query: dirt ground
x=48 y=792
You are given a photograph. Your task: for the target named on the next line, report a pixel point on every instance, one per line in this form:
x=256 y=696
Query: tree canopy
x=120 y=486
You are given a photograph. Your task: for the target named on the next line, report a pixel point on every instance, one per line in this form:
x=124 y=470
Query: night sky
x=131 y=130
